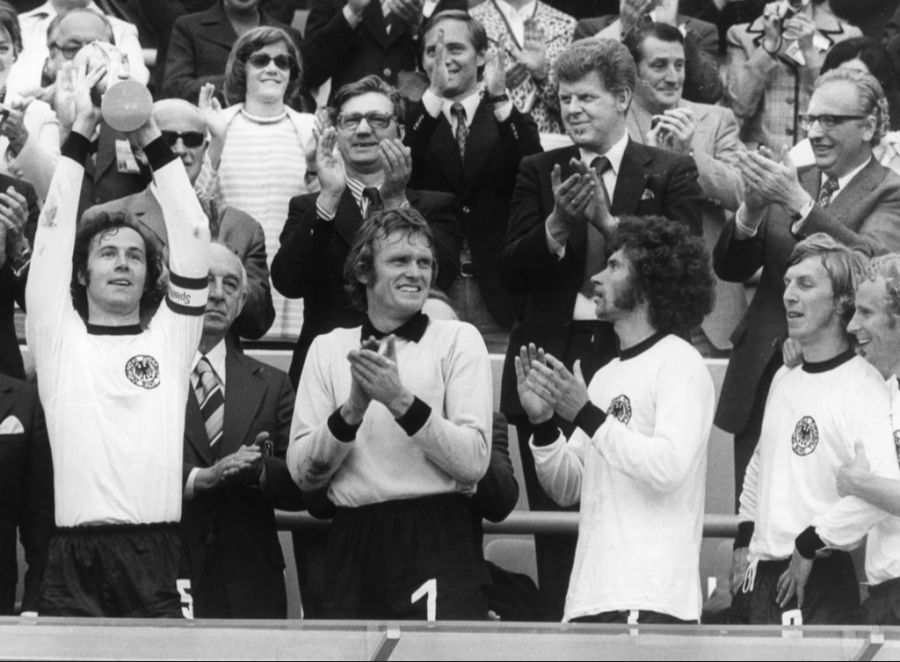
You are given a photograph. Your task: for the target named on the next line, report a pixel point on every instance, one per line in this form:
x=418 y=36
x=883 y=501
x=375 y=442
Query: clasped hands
x=375 y=376
x=766 y=180
x=579 y=199
x=546 y=386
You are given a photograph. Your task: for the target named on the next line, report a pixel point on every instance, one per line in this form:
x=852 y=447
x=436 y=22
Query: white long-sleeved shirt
x=641 y=481
x=448 y=369
x=814 y=415
x=114 y=396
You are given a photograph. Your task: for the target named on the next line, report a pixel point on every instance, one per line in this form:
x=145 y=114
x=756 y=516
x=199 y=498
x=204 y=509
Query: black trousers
x=882 y=607
x=644 y=617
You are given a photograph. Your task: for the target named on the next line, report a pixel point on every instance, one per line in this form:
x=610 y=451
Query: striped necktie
x=458 y=111
x=595 y=252
x=829 y=187
x=212 y=400
x=370 y=201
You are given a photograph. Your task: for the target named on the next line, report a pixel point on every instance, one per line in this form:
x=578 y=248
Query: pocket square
x=647 y=195
x=11 y=425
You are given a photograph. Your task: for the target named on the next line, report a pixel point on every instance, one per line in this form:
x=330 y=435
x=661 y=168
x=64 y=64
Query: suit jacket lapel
x=446 y=147
x=374 y=21
x=217 y=28
x=243 y=394
x=195 y=429
x=630 y=182
x=6 y=397
x=844 y=202
x=106 y=150
x=348 y=217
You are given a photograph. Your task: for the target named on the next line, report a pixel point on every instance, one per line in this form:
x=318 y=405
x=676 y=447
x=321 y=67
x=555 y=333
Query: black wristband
x=744 y=534
x=808 y=543
x=500 y=98
x=415 y=417
x=341 y=429
x=159 y=153
x=76 y=147
x=590 y=418
x=546 y=433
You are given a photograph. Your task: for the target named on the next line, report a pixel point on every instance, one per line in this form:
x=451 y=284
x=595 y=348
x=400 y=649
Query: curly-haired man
x=637 y=458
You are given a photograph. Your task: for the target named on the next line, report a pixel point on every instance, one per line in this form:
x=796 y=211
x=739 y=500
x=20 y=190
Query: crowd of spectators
x=602 y=192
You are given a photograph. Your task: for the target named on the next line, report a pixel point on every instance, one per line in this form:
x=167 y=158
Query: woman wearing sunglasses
x=259 y=143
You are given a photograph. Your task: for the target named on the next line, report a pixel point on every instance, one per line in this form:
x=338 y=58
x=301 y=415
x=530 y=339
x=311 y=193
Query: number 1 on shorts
x=429 y=588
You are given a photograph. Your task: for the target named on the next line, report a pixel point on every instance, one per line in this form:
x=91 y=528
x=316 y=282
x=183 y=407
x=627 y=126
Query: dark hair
x=60 y=17
x=477 y=33
x=235 y=86
x=869 y=51
x=9 y=21
x=634 y=39
x=609 y=58
x=380 y=225
x=845 y=266
x=669 y=270
x=106 y=223
x=366 y=85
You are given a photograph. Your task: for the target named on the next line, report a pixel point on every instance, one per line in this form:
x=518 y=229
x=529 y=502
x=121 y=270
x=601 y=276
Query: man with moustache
x=637 y=458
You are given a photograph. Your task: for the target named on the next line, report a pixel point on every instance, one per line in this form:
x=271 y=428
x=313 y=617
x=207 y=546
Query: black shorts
x=882 y=607
x=380 y=555
x=831 y=596
x=119 y=571
x=644 y=617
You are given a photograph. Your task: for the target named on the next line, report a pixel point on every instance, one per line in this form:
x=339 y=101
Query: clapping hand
x=533 y=54
x=396 y=164
x=565 y=390
x=379 y=376
x=534 y=401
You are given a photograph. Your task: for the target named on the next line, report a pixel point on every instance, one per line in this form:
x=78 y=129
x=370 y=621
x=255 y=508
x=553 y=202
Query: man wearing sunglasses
x=184 y=129
x=362 y=167
x=847 y=194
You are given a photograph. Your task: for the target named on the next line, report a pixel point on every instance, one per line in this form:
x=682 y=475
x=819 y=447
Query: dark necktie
x=371 y=201
x=462 y=131
x=211 y=399
x=595 y=251
x=829 y=187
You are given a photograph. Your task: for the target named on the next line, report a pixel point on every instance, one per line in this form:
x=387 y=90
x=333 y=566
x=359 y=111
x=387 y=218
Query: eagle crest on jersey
x=143 y=371
x=620 y=409
x=897 y=444
x=805 y=437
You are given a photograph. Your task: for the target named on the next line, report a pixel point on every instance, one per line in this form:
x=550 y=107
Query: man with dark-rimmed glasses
x=846 y=195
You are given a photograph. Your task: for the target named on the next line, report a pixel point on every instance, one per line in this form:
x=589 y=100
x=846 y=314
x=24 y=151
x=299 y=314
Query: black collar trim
x=101 y=330
x=643 y=346
x=413 y=329
x=830 y=364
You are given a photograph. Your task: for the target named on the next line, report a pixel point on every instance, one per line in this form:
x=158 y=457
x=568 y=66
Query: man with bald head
x=184 y=129
x=236 y=436
x=40 y=42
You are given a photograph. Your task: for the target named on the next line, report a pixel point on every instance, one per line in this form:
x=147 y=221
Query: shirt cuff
x=744 y=534
x=432 y=102
x=415 y=417
x=546 y=433
x=558 y=249
x=799 y=219
x=808 y=543
x=189 y=484
x=590 y=418
x=503 y=111
x=341 y=429
x=352 y=19
x=743 y=231
x=325 y=214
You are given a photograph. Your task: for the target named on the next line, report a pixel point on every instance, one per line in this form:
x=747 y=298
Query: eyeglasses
x=374 y=119
x=827 y=122
x=191 y=139
x=261 y=61
x=69 y=50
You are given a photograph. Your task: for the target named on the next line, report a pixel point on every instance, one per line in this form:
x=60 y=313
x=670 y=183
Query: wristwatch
x=500 y=98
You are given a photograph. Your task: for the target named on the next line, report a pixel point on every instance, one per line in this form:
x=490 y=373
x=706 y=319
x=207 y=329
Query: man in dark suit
x=201 y=42
x=702 y=83
x=26 y=491
x=563 y=216
x=185 y=129
x=475 y=158
x=236 y=435
x=18 y=221
x=847 y=195
x=354 y=38
x=368 y=171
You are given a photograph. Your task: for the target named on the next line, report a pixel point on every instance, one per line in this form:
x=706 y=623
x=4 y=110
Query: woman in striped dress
x=260 y=144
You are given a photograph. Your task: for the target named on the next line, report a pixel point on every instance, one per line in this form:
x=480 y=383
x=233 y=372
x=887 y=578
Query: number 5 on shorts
x=429 y=588
x=187 y=600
